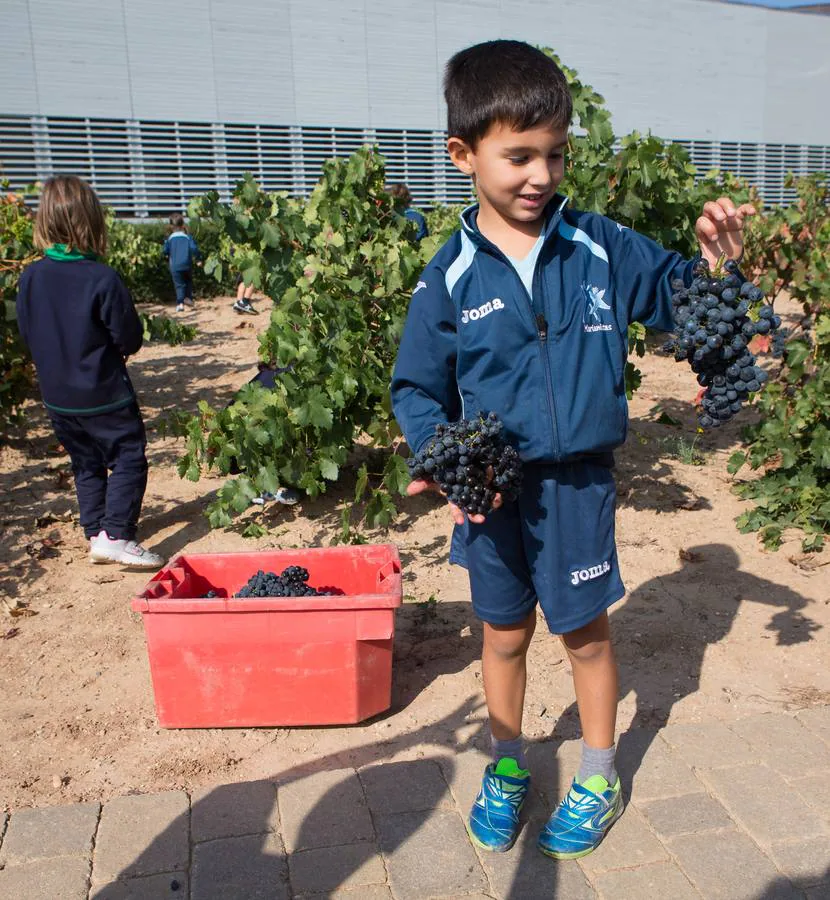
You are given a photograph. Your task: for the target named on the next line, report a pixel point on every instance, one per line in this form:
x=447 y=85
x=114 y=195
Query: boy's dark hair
x=177 y=222
x=508 y=82
x=400 y=192
x=70 y=213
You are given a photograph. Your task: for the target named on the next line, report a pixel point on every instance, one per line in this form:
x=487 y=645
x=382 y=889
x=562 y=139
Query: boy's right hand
x=419 y=486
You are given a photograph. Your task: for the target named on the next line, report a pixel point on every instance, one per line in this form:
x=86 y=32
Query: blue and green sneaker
x=581 y=820
x=494 y=818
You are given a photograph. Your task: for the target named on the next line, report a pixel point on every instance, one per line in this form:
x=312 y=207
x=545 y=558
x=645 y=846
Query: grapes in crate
x=293 y=582
x=471 y=461
x=713 y=328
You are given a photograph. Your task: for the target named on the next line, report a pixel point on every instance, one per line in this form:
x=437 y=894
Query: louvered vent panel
x=145 y=168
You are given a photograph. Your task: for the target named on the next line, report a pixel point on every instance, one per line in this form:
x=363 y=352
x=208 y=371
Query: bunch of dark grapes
x=292 y=583
x=471 y=462
x=712 y=332
x=779 y=342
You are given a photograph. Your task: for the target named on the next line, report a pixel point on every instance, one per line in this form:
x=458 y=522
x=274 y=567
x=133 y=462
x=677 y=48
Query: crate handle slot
x=164 y=587
x=387 y=571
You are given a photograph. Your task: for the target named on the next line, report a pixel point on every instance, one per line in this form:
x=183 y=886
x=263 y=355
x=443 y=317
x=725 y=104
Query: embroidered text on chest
x=479 y=312
x=595 y=308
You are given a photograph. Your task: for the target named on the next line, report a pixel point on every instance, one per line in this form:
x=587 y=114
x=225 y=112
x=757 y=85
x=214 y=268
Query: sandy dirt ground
x=713 y=627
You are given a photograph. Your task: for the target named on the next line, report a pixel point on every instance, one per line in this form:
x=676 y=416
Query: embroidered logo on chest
x=594 y=318
x=479 y=312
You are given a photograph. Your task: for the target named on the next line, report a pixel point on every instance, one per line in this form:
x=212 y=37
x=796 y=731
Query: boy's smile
x=515 y=173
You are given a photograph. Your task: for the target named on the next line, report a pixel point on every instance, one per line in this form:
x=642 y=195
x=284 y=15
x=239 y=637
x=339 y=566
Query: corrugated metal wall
x=154 y=100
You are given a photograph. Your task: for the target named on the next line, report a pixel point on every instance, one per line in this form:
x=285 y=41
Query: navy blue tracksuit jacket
x=181 y=250
x=552 y=366
x=79 y=322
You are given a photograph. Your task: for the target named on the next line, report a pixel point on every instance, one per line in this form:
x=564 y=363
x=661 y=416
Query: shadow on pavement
x=663 y=631
x=335 y=842
x=337 y=812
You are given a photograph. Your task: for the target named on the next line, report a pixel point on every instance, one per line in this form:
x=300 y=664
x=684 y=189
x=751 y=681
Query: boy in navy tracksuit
x=182 y=252
x=524 y=312
x=401 y=193
x=79 y=323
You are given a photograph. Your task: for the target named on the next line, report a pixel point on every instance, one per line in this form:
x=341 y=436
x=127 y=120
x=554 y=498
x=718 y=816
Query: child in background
x=554 y=291
x=181 y=251
x=404 y=199
x=244 y=292
x=266 y=377
x=80 y=324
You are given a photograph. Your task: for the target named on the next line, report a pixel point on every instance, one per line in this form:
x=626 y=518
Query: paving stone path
x=739 y=813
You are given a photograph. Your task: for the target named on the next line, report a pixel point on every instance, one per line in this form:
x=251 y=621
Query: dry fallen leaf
x=44 y=548
x=16 y=608
x=690 y=503
x=12 y=632
x=808 y=561
x=63 y=479
x=689 y=555
x=50 y=518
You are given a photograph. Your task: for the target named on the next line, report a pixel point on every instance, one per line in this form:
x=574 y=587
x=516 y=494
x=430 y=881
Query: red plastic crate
x=228 y=662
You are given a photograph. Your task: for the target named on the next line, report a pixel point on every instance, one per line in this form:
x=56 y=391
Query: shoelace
x=137 y=549
x=502 y=795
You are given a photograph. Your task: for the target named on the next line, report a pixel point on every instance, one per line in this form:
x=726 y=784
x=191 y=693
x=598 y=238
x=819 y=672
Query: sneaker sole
x=474 y=840
x=101 y=560
x=578 y=854
x=484 y=846
x=106 y=560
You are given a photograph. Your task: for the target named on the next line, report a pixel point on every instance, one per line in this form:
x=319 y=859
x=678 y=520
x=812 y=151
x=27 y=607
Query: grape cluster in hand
x=712 y=331
x=292 y=583
x=471 y=462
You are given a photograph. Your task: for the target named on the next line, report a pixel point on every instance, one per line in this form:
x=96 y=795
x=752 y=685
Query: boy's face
x=515 y=172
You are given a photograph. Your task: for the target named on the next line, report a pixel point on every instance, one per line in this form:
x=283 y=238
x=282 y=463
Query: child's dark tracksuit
x=417 y=217
x=548 y=355
x=181 y=251
x=266 y=377
x=79 y=323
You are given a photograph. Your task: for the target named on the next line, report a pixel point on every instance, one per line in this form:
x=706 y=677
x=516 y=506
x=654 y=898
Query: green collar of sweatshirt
x=59 y=252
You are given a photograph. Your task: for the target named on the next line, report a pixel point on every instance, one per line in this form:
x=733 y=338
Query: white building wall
x=253 y=61
x=79 y=54
x=18 y=85
x=685 y=69
x=170 y=59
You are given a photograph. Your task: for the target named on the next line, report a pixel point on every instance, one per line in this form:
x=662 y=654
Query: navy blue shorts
x=554 y=545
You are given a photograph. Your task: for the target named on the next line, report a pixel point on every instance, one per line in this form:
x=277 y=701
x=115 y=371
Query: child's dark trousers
x=110 y=468
x=183 y=283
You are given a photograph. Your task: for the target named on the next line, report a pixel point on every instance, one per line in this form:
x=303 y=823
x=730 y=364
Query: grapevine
x=341 y=269
x=163 y=328
x=789 y=446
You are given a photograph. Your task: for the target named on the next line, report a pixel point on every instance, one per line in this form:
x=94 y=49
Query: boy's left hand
x=720 y=229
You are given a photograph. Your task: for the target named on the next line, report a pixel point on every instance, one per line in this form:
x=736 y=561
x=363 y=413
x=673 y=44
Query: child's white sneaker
x=104 y=549
x=180 y=307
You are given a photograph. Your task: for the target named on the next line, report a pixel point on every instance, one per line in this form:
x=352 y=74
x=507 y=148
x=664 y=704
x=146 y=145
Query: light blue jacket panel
x=181 y=250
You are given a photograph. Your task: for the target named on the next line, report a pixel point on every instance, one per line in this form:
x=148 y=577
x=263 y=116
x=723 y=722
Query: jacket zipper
x=542 y=329
x=542 y=337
